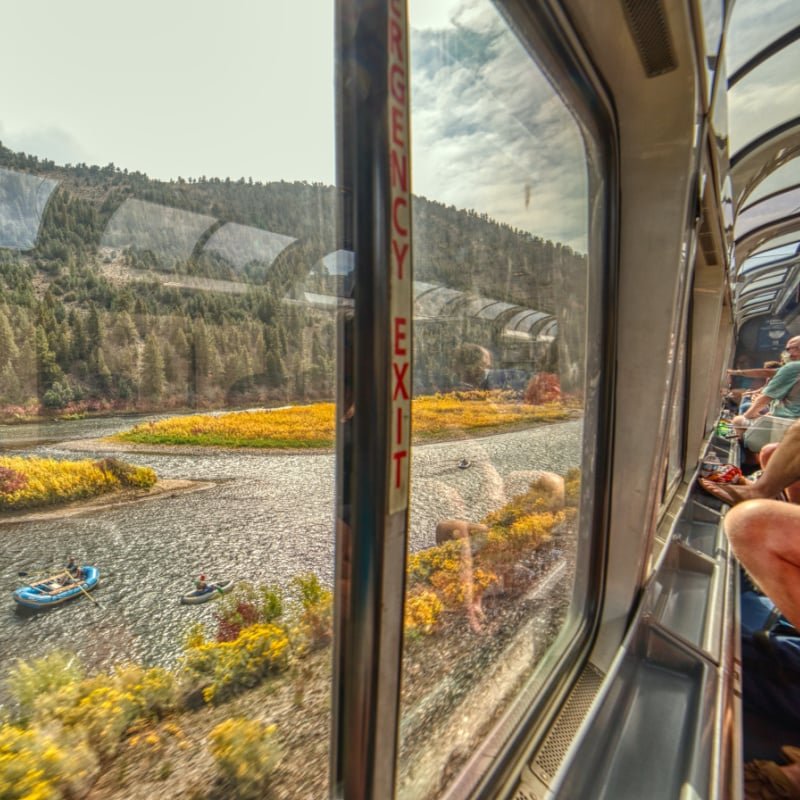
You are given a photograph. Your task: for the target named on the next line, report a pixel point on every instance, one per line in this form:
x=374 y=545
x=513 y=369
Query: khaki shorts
x=764 y=430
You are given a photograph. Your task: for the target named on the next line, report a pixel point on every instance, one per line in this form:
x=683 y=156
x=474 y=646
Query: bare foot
x=728 y=492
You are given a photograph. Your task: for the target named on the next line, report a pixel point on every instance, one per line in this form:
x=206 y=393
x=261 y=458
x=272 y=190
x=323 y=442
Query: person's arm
x=756 y=372
x=759 y=402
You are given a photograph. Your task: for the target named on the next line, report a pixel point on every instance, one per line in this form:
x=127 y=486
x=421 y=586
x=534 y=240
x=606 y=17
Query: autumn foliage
x=544 y=387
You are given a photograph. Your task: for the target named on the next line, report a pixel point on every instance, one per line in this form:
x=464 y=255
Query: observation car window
x=766 y=211
x=774 y=251
x=764 y=98
x=753 y=25
x=501 y=172
x=782 y=178
x=167 y=258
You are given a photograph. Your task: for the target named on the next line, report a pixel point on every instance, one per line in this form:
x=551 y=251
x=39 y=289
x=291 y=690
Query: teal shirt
x=780 y=385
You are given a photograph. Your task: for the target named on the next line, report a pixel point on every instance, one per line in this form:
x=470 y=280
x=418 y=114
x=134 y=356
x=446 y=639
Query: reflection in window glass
x=167 y=258
x=755 y=24
x=770 y=210
x=783 y=177
x=500 y=174
x=764 y=98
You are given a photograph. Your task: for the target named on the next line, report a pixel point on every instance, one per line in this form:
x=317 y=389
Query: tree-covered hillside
x=121 y=291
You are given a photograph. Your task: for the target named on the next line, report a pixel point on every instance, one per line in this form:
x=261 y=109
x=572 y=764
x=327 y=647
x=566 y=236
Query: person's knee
x=745 y=522
x=766 y=452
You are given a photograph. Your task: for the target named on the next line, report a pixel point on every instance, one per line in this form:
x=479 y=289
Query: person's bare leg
x=781 y=470
x=792 y=491
x=765 y=537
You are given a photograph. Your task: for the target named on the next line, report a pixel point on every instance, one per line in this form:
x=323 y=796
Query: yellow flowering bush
x=299 y=426
x=48 y=481
x=97 y=707
x=39 y=764
x=457 y=573
x=225 y=668
x=424 y=563
x=246 y=753
x=153 y=689
x=314 y=425
x=27 y=681
x=422 y=611
x=432 y=416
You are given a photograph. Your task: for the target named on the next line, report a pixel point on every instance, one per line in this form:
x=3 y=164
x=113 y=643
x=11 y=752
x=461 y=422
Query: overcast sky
x=245 y=89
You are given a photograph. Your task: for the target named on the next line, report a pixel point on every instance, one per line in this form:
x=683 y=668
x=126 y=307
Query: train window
x=503 y=183
x=762 y=99
x=167 y=225
x=782 y=178
x=753 y=25
x=772 y=208
x=774 y=251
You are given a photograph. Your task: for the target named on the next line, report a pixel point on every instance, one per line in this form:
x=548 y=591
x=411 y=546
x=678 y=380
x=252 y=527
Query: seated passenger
x=74 y=570
x=780 y=463
x=765 y=533
x=200 y=584
x=780 y=398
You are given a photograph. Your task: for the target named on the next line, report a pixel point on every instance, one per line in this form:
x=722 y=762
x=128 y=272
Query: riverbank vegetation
x=439 y=416
x=29 y=482
x=246 y=712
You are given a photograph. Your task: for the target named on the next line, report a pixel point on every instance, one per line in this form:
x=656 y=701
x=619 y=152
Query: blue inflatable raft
x=57 y=589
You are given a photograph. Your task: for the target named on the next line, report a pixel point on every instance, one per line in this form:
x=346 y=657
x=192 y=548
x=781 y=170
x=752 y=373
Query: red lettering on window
x=396 y=39
x=400 y=385
x=398 y=127
x=399 y=171
x=400 y=255
x=398 y=458
x=399 y=201
x=397 y=84
x=399 y=335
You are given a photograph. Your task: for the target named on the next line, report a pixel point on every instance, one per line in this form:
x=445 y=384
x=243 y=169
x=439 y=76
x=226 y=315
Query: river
x=266 y=518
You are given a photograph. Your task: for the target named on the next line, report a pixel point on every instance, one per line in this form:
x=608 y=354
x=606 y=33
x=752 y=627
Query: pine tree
x=152 y=384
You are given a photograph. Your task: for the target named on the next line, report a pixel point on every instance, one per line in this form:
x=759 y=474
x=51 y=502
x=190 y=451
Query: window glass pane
x=783 y=177
x=501 y=237
x=777 y=249
x=712 y=11
x=765 y=98
x=167 y=225
x=764 y=283
x=754 y=25
x=771 y=209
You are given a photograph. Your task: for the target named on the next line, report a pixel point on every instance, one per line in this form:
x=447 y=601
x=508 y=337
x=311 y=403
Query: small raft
x=56 y=590
x=204 y=595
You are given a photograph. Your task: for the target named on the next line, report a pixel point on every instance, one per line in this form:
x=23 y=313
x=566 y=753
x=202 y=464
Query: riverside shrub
x=37 y=764
x=224 y=669
x=246 y=753
x=458 y=572
x=48 y=481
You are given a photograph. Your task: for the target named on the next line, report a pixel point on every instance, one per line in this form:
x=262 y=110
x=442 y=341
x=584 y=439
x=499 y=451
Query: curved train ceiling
x=762 y=57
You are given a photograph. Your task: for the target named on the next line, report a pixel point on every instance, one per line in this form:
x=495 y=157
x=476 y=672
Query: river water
x=266 y=518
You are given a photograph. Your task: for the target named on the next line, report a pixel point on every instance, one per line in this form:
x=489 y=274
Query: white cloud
x=489 y=133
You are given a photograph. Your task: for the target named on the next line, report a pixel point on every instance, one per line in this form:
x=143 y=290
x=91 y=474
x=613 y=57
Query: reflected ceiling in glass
x=771 y=209
x=775 y=249
x=784 y=177
x=764 y=98
x=773 y=279
x=755 y=24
